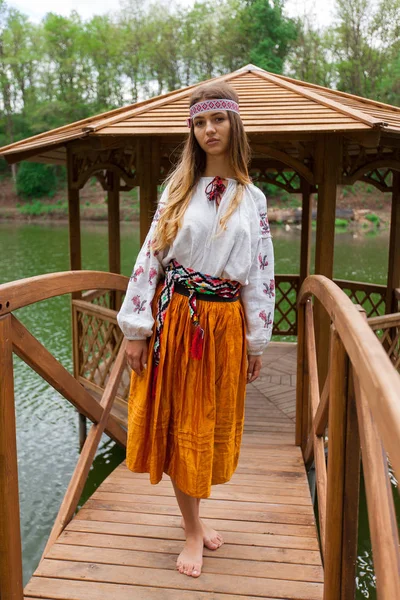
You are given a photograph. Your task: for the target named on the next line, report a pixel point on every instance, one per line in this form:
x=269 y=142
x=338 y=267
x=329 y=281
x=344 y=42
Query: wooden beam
x=148 y=173
x=355 y=114
x=367 y=139
x=114 y=234
x=330 y=158
x=393 y=277
x=75 y=255
x=317 y=442
x=306 y=222
x=381 y=510
x=351 y=495
x=85 y=460
x=27 y=347
x=336 y=468
x=10 y=529
x=75 y=261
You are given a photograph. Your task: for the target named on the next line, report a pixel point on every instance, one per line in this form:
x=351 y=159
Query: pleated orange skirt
x=192 y=429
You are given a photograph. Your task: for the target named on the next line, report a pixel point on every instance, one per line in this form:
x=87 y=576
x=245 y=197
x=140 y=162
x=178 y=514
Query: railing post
x=75 y=261
x=76 y=359
x=302 y=380
x=11 y=587
x=351 y=495
x=336 y=468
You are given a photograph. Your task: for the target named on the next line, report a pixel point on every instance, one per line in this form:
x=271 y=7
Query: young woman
x=198 y=313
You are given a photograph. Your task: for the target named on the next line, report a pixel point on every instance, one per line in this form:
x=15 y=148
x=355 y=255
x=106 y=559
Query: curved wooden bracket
x=371 y=166
x=298 y=166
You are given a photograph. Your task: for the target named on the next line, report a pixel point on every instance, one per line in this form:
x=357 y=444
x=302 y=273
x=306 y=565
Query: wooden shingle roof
x=269 y=104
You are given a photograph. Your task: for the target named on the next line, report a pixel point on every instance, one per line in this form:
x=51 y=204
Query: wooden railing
x=96 y=335
x=387 y=330
x=360 y=394
x=96 y=342
x=370 y=296
x=15 y=338
x=359 y=406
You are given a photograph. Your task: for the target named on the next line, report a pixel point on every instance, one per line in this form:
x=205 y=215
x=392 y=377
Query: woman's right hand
x=136 y=355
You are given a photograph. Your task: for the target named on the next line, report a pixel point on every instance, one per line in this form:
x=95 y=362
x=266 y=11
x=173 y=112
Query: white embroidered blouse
x=243 y=253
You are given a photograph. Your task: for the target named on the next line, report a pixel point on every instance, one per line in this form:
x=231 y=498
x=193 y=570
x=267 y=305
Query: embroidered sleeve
x=135 y=316
x=259 y=295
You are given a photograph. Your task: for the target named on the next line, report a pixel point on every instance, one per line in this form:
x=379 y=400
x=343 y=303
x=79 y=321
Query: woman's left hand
x=253 y=367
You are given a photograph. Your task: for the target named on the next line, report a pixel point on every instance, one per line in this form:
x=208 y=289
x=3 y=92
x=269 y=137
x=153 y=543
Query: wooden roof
x=269 y=104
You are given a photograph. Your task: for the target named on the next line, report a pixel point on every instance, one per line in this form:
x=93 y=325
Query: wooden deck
x=124 y=542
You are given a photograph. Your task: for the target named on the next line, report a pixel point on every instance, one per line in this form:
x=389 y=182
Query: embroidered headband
x=206 y=105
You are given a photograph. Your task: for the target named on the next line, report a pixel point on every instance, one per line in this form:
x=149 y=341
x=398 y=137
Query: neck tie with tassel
x=215 y=189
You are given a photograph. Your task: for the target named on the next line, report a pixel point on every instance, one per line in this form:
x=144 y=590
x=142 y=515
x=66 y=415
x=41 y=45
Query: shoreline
x=346 y=219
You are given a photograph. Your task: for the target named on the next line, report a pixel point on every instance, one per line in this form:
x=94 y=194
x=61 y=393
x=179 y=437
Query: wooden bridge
x=124 y=541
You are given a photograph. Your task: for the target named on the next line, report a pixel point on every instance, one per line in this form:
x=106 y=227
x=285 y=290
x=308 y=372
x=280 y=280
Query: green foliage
x=359 y=53
x=373 y=218
x=35 y=180
x=36 y=208
x=4 y=168
x=269 y=33
x=341 y=222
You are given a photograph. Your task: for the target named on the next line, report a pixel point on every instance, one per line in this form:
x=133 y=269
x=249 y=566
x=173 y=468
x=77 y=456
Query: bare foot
x=211 y=538
x=190 y=559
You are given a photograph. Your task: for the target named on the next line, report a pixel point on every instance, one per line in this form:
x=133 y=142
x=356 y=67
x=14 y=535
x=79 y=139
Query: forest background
x=63 y=69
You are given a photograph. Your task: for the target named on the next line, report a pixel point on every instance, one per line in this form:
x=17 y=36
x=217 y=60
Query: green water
x=47 y=425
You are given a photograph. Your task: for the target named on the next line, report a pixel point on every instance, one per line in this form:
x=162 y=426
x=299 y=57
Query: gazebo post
x=75 y=261
x=148 y=175
x=75 y=256
x=114 y=236
x=329 y=162
x=393 y=278
x=306 y=223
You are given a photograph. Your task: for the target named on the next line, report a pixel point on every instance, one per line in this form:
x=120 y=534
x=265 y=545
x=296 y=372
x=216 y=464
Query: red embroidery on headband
x=206 y=105
x=215 y=189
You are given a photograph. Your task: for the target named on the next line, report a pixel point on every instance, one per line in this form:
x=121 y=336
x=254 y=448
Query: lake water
x=47 y=425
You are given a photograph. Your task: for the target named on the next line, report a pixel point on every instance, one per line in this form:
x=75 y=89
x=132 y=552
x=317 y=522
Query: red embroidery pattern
x=215 y=189
x=269 y=289
x=152 y=274
x=139 y=305
x=136 y=273
x=267 y=320
x=263 y=261
x=264 y=224
x=205 y=105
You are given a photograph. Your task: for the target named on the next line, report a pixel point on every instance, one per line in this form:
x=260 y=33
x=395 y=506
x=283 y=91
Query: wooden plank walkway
x=124 y=541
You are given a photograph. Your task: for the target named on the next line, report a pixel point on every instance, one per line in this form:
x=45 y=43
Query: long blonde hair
x=192 y=163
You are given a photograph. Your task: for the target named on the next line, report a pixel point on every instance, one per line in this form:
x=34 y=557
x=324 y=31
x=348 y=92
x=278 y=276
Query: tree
x=359 y=54
x=269 y=33
x=310 y=58
x=103 y=47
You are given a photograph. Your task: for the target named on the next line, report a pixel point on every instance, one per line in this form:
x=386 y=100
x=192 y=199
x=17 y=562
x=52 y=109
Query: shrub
x=36 y=208
x=341 y=223
x=373 y=218
x=35 y=180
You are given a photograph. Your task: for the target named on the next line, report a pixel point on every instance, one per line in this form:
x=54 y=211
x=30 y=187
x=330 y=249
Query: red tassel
x=154 y=382
x=196 y=349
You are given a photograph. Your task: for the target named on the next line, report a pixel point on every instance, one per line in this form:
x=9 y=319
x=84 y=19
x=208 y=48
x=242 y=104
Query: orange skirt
x=192 y=430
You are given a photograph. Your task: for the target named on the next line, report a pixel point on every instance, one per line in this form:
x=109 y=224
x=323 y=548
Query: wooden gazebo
x=304 y=139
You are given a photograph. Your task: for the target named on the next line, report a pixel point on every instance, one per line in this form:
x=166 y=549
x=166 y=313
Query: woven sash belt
x=195 y=285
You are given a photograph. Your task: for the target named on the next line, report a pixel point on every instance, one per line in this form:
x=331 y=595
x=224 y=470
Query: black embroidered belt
x=184 y=291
